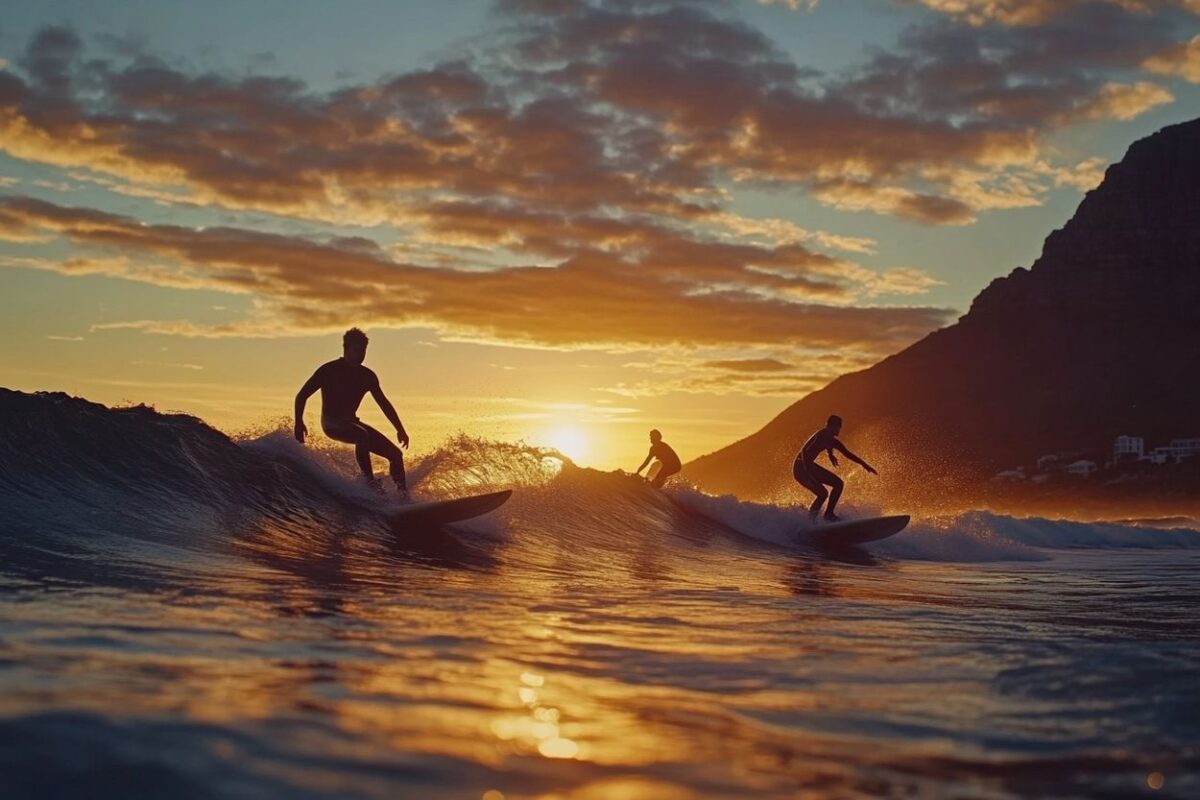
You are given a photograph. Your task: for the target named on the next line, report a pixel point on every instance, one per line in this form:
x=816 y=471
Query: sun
x=570 y=441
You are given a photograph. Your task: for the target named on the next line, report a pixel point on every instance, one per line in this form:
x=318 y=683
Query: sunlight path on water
x=592 y=639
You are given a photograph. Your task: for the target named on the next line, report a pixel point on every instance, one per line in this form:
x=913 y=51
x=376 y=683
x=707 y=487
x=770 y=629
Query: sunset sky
x=565 y=222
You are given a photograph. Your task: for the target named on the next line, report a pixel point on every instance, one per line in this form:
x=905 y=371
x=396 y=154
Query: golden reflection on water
x=735 y=673
x=539 y=730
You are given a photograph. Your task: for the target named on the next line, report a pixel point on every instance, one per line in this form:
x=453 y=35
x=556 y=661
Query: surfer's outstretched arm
x=389 y=411
x=306 y=391
x=649 y=457
x=855 y=458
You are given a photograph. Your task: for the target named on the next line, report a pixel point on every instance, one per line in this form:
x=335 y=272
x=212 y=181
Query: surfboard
x=856 y=531
x=442 y=512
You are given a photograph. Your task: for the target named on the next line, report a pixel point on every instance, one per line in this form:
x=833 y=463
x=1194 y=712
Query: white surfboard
x=442 y=512
x=855 y=531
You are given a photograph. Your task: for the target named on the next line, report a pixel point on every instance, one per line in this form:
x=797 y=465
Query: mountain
x=1100 y=337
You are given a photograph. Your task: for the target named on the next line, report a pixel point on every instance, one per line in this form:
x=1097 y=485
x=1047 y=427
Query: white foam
x=975 y=536
x=464 y=464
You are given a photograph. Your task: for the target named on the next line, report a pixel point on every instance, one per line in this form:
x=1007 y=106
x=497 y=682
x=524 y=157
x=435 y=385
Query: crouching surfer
x=343 y=382
x=812 y=476
x=667 y=459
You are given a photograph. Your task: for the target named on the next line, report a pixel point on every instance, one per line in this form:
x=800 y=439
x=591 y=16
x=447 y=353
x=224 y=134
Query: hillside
x=1101 y=336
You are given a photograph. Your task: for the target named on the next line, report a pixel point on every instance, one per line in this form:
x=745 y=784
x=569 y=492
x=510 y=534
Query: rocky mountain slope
x=1101 y=336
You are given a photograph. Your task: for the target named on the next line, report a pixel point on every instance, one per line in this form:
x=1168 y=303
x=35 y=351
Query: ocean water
x=185 y=616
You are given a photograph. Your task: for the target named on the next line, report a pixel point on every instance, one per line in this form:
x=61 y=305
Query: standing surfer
x=667 y=459
x=812 y=476
x=343 y=382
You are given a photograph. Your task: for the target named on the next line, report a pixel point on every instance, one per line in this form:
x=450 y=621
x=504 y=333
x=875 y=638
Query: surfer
x=667 y=458
x=343 y=382
x=812 y=476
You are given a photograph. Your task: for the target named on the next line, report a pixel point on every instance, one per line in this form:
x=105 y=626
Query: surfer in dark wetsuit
x=343 y=382
x=666 y=457
x=812 y=476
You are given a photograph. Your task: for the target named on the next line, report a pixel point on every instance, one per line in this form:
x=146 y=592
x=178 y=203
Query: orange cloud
x=664 y=289
x=1124 y=101
x=803 y=372
x=1035 y=12
x=750 y=365
x=867 y=196
x=1182 y=61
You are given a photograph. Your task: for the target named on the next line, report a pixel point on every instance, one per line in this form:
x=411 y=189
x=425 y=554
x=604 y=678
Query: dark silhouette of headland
x=1099 y=338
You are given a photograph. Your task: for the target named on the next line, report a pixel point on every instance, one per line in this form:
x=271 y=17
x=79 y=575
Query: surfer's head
x=656 y=436
x=834 y=423
x=354 y=345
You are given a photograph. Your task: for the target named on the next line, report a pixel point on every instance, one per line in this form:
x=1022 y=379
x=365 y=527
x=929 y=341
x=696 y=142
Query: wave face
x=252 y=625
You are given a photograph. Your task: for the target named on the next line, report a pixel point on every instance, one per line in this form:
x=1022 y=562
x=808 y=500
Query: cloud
x=1124 y=101
x=167 y=365
x=781 y=231
x=1036 y=12
x=54 y=186
x=1182 y=60
x=901 y=281
x=647 y=108
x=662 y=289
x=853 y=195
x=1032 y=79
x=803 y=372
x=794 y=5
x=573 y=187
x=750 y=365
x=1084 y=176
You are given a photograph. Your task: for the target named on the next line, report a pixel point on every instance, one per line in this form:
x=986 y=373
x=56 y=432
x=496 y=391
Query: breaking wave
x=123 y=488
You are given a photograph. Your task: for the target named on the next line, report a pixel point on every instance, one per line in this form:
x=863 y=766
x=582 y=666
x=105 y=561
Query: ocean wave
x=127 y=480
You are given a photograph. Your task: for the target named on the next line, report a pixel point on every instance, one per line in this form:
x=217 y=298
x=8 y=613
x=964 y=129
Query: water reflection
x=348 y=663
x=538 y=730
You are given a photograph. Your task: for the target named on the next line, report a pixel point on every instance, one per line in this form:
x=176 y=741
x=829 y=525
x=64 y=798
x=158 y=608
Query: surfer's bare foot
x=402 y=495
x=831 y=517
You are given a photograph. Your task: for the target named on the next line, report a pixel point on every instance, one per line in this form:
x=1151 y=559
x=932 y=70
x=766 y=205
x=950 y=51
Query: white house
x=1082 y=467
x=1174 y=452
x=1183 y=448
x=1009 y=476
x=1047 y=462
x=1128 y=446
x=1156 y=456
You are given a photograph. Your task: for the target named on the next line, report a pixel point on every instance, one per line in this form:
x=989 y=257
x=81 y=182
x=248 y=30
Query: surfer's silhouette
x=667 y=458
x=812 y=476
x=343 y=382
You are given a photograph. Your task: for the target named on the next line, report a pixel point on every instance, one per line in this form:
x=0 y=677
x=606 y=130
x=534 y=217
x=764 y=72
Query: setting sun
x=570 y=441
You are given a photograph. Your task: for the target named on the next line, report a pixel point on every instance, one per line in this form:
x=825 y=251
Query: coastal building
x=1175 y=452
x=1009 y=476
x=1082 y=467
x=1048 y=461
x=1128 y=447
x=1184 y=448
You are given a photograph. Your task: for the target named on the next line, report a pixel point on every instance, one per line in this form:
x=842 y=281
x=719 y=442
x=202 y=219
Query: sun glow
x=570 y=441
